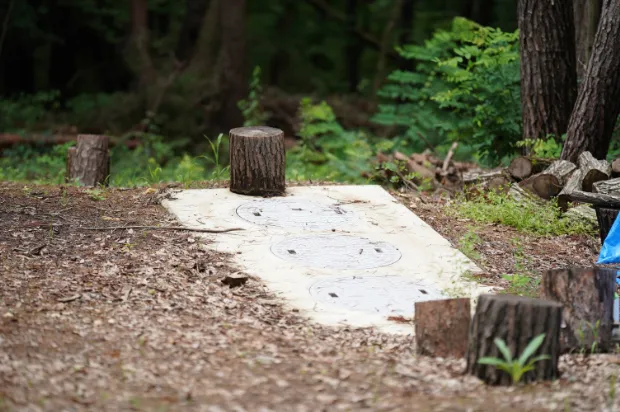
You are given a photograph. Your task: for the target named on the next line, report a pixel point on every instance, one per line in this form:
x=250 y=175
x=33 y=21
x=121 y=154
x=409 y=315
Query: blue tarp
x=610 y=252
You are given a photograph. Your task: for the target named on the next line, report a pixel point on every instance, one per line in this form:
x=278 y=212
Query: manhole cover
x=336 y=252
x=294 y=213
x=384 y=295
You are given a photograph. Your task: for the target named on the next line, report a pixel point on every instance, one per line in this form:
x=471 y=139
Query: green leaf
x=531 y=348
x=501 y=345
x=491 y=361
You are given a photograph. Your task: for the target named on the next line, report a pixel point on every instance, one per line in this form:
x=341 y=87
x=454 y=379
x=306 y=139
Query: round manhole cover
x=383 y=295
x=336 y=252
x=294 y=213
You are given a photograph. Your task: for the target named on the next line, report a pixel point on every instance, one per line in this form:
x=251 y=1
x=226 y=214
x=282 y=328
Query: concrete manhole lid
x=383 y=295
x=294 y=213
x=336 y=252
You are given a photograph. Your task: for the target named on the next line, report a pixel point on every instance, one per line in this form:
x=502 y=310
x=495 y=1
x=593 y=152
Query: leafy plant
x=548 y=148
x=542 y=219
x=516 y=368
x=219 y=171
x=465 y=87
x=250 y=107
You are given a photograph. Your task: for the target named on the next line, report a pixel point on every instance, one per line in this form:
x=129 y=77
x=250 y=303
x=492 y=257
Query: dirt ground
x=140 y=320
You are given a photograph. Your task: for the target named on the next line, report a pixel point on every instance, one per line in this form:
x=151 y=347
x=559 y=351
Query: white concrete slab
x=341 y=255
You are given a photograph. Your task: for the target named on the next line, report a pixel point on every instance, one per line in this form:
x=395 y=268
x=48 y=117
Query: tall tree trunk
x=548 y=77
x=598 y=103
x=137 y=54
x=353 y=49
x=407 y=17
x=231 y=62
x=587 y=14
x=385 y=44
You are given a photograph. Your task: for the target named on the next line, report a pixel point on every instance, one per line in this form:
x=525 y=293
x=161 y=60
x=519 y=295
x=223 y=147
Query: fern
x=465 y=87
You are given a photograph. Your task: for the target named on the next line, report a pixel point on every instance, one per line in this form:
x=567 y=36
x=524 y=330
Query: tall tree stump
x=606 y=217
x=516 y=320
x=89 y=162
x=587 y=297
x=257 y=161
x=442 y=327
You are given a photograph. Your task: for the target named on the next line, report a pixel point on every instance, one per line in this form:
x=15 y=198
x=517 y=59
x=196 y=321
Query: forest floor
x=140 y=320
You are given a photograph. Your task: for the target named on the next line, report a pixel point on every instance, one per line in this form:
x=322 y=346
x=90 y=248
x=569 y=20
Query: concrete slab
x=341 y=255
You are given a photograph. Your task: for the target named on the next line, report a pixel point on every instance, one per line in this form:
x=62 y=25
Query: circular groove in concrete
x=294 y=213
x=383 y=295
x=336 y=252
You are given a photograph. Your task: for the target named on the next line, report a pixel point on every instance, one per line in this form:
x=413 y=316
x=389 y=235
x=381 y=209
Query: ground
x=140 y=320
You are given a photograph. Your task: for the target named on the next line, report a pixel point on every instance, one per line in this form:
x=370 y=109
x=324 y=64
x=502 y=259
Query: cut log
x=90 y=163
x=606 y=217
x=587 y=298
x=562 y=170
x=520 y=195
x=70 y=158
x=516 y=320
x=615 y=168
x=596 y=199
x=543 y=185
x=523 y=167
x=572 y=184
x=607 y=187
x=592 y=170
x=257 y=161
x=442 y=327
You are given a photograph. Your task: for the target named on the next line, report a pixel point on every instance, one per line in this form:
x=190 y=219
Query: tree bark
x=517 y=321
x=587 y=297
x=70 y=160
x=137 y=54
x=442 y=326
x=232 y=61
x=572 y=185
x=606 y=217
x=587 y=14
x=90 y=162
x=257 y=161
x=598 y=103
x=548 y=77
x=607 y=187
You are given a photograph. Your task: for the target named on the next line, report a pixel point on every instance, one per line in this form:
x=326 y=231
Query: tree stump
x=517 y=320
x=606 y=217
x=89 y=162
x=587 y=297
x=442 y=327
x=257 y=161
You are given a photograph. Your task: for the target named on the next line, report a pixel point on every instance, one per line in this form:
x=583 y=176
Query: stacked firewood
x=421 y=169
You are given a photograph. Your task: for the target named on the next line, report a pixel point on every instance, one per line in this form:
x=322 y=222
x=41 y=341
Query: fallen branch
x=189 y=229
x=448 y=159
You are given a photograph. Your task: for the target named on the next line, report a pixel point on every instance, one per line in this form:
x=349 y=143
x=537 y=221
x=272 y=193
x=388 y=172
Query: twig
x=410 y=184
x=430 y=146
x=446 y=162
x=189 y=229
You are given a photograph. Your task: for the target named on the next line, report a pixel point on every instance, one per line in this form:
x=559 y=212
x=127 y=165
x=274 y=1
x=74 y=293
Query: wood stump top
x=256 y=131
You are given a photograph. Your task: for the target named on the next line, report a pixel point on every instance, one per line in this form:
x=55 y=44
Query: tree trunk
x=548 y=77
x=137 y=54
x=587 y=14
x=587 y=297
x=257 y=161
x=70 y=159
x=353 y=48
x=606 y=217
x=442 y=326
x=232 y=62
x=517 y=321
x=90 y=162
x=598 y=103
x=407 y=17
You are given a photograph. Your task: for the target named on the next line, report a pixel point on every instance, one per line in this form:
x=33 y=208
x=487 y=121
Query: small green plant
x=250 y=107
x=219 y=172
x=612 y=388
x=523 y=282
x=543 y=219
x=95 y=194
x=594 y=333
x=468 y=243
x=516 y=368
x=549 y=148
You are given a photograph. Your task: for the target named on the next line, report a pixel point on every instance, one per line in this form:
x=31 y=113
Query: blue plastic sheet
x=610 y=252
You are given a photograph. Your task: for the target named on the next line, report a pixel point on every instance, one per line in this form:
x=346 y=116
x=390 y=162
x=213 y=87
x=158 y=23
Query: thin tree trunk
x=598 y=103
x=407 y=16
x=548 y=77
x=587 y=14
x=137 y=54
x=231 y=62
x=385 y=43
x=353 y=48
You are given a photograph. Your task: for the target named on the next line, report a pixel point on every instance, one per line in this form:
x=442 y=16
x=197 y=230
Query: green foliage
x=523 y=281
x=327 y=151
x=465 y=87
x=250 y=107
x=468 y=243
x=27 y=112
x=24 y=163
x=548 y=148
x=516 y=368
x=528 y=216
